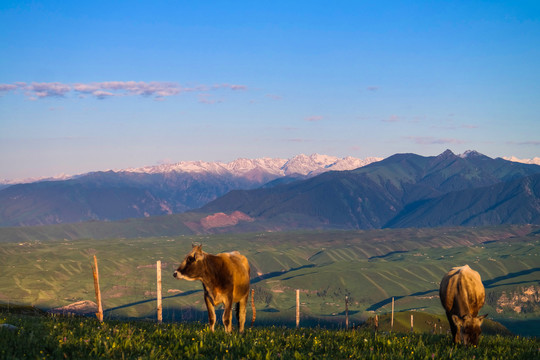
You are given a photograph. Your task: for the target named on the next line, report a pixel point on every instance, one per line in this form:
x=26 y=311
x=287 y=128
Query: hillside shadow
x=300 y=275
x=278 y=273
x=387 y=301
x=488 y=284
x=187 y=293
x=387 y=254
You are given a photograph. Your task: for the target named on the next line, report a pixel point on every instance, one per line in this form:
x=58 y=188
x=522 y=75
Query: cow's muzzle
x=178 y=275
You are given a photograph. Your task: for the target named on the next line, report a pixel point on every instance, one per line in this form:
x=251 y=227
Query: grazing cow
x=462 y=296
x=225 y=279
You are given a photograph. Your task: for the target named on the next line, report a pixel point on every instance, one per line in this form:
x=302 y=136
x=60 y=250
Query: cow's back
x=462 y=292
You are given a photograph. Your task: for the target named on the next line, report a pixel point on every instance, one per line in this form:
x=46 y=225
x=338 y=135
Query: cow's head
x=469 y=328
x=192 y=267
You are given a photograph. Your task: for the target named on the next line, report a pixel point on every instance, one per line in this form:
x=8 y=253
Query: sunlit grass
x=39 y=337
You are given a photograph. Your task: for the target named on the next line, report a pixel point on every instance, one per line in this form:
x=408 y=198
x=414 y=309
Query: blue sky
x=98 y=85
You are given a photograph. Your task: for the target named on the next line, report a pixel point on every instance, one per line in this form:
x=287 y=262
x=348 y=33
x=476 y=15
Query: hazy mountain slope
x=348 y=200
x=72 y=201
x=371 y=196
x=111 y=196
x=154 y=190
x=513 y=202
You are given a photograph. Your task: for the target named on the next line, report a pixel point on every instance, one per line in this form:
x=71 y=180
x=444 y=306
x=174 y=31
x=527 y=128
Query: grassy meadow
x=370 y=267
x=59 y=337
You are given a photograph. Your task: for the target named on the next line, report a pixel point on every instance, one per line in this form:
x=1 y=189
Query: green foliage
x=426 y=323
x=55 y=337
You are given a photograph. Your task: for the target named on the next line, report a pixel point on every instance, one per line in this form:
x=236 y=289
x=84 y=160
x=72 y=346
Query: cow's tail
x=253 y=306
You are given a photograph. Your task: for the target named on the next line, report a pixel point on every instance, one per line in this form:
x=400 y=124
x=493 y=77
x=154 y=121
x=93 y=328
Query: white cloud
x=392 y=119
x=429 y=140
x=314 y=118
x=531 y=142
x=274 y=97
x=86 y=88
x=7 y=87
x=100 y=94
x=107 y=89
x=42 y=90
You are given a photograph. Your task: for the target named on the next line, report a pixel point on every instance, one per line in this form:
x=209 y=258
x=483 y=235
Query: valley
x=368 y=266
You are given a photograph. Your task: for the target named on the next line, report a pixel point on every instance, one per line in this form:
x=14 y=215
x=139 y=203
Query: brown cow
x=225 y=279
x=462 y=296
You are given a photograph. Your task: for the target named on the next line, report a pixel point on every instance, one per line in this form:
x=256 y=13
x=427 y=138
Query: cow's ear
x=198 y=248
x=457 y=320
x=482 y=317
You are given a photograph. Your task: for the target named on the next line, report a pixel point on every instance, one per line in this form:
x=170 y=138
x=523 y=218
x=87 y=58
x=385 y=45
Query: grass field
x=58 y=337
x=370 y=267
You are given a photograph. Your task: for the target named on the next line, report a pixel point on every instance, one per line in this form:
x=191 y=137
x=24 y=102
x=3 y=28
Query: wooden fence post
x=376 y=323
x=99 y=314
x=346 y=312
x=297 y=308
x=392 y=320
x=412 y=323
x=253 y=306
x=159 y=305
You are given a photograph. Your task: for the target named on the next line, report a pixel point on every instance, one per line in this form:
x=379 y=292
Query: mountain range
x=153 y=190
x=403 y=190
x=311 y=192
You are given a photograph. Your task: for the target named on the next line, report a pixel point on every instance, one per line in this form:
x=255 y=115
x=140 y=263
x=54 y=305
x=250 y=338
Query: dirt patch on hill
x=521 y=300
x=223 y=220
x=83 y=307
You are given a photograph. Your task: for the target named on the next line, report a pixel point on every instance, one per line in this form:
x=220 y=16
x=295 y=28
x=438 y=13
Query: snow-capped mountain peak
x=242 y=166
x=300 y=165
x=261 y=168
x=303 y=164
x=535 y=160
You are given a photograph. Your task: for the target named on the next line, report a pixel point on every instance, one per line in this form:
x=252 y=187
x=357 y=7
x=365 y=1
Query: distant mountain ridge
x=153 y=190
x=512 y=202
x=298 y=165
x=401 y=190
x=535 y=160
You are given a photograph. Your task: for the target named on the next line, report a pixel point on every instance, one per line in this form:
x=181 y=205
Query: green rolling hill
x=370 y=267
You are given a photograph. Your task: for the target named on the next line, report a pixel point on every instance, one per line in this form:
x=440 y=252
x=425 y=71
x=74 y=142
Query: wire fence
x=137 y=294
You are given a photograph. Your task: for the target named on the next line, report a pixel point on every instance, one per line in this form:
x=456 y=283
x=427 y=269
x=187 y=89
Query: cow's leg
x=227 y=316
x=241 y=313
x=454 y=329
x=211 y=312
x=237 y=311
